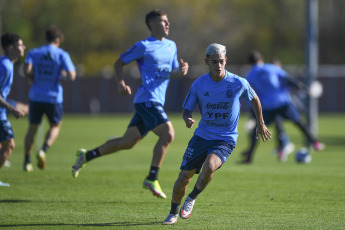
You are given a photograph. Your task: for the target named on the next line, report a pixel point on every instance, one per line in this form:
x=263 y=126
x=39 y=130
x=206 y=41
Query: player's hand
x=189 y=122
x=264 y=132
x=124 y=89
x=184 y=67
x=17 y=113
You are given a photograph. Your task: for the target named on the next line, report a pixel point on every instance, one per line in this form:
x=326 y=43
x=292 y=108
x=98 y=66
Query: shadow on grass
x=333 y=140
x=15 y=201
x=115 y=224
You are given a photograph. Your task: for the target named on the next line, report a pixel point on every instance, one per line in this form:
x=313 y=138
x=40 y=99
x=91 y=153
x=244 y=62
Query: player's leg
x=269 y=116
x=28 y=146
x=50 y=137
x=131 y=137
x=292 y=113
x=165 y=133
x=6 y=149
x=6 y=141
x=36 y=111
x=285 y=146
x=179 y=191
x=247 y=155
x=212 y=163
x=127 y=141
x=151 y=116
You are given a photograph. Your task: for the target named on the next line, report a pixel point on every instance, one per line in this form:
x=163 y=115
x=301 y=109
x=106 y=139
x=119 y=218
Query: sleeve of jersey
x=175 y=63
x=134 y=53
x=191 y=99
x=249 y=92
x=68 y=64
x=28 y=59
x=3 y=73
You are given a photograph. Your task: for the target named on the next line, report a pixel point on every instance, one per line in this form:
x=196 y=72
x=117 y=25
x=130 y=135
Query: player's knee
x=185 y=177
x=169 y=137
x=210 y=167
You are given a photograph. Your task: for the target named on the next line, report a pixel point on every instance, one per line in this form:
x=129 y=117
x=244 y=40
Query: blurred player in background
x=271 y=83
x=13 y=47
x=218 y=95
x=285 y=146
x=45 y=66
x=156 y=57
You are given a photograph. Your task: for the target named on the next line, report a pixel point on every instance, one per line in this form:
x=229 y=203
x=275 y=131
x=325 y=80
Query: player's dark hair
x=8 y=39
x=154 y=14
x=254 y=57
x=52 y=33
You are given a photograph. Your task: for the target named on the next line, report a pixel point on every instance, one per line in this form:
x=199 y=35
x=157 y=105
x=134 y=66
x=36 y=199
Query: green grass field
x=108 y=193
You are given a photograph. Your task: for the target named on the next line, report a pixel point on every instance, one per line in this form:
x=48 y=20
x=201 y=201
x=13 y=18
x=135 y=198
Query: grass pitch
x=108 y=193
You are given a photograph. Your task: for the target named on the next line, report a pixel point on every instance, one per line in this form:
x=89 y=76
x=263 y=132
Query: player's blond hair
x=215 y=48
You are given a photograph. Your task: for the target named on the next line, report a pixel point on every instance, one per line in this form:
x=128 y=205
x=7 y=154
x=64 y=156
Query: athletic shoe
x=7 y=163
x=171 y=219
x=79 y=163
x=28 y=167
x=4 y=184
x=245 y=158
x=282 y=156
x=318 y=146
x=154 y=187
x=289 y=148
x=41 y=159
x=187 y=208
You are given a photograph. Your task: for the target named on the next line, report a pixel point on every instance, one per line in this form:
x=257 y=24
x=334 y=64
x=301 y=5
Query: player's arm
x=72 y=74
x=16 y=112
x=291 y=81
x=68 y=75
x=182 y=70
x=29 y=71
x=122 y=87
x=188 y=118
x=260 y=124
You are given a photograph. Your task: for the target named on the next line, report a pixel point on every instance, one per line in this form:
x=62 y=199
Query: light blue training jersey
x=219 y=104
x=155 y=59
x=6 y=80
x=48 y=61
x=269 y=83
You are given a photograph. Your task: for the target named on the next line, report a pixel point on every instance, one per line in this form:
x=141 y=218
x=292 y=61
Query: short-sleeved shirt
x=6 y=80
x=268 y=81
x=48 y=61
x=219 y=104
x=155 y=59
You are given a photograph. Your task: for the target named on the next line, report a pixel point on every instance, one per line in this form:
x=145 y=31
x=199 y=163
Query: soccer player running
x=218 y=95
x=45 y=66
x=271 y=83
x=13 y=47
x=156 y=57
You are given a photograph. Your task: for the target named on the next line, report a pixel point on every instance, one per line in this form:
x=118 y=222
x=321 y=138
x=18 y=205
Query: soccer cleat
x=79 y=163
x=7 y=163
x=187 y=208
x=318 y=146
x=154 y=187
x=282 y=156
x=4 y=184
x=28 y=167
x=289 y=148
x=41 y=159
x=171 y=219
